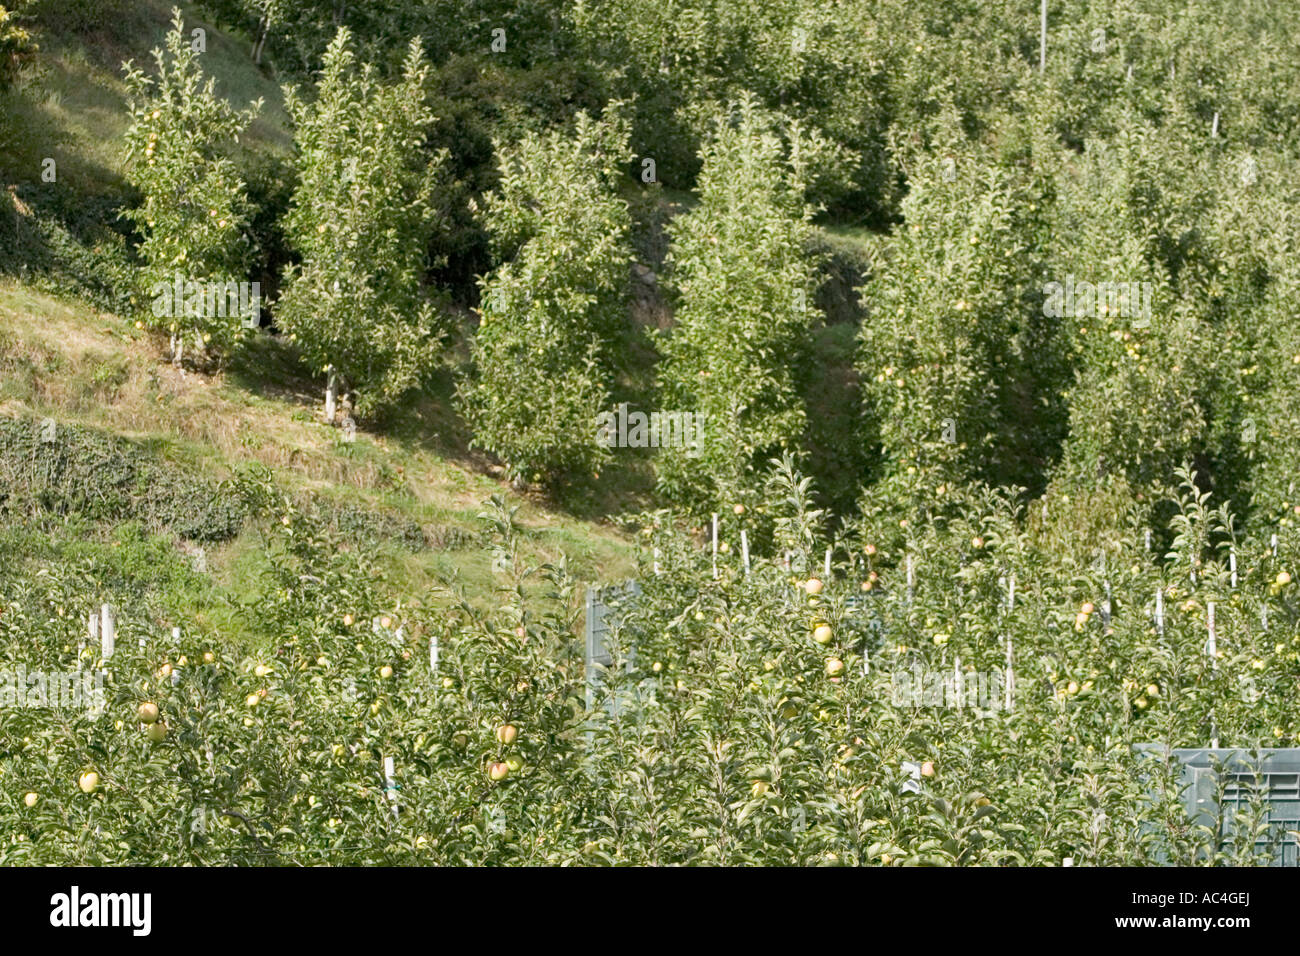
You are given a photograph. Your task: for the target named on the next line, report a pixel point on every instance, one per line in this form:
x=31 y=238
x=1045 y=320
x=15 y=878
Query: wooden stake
x=1160 y=611
x=911 y=580
x=1232 y=567
x=827 y=565
x=433 y=654
x=744 y=548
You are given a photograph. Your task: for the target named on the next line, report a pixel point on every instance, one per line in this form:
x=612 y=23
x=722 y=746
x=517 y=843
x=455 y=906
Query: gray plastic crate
x=1273 y=774
x=602 y=604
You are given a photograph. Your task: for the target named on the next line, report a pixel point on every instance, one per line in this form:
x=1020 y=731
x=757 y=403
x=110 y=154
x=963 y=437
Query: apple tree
x=194 y=209
x=543 y=363
x=744 y=285
x=952 y=330
x=361 y=219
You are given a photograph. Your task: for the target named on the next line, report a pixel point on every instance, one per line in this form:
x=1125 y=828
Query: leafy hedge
x=89 y=473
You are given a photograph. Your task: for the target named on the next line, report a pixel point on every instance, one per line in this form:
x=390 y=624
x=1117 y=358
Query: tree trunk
x=263 y=28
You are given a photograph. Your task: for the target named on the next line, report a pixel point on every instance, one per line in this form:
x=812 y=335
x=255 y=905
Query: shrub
x=81 y=471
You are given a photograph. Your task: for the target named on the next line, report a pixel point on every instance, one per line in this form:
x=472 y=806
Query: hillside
x=83 y=368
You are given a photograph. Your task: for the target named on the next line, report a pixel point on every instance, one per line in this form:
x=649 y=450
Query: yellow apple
x=822 y=633
x=29 y=800
x=156 y=732
x=88 y=781
x=498 y=771
x=385 y=672
x=147 y=712
x=813 y=586
x=834 y=667
x=927 y=769
x=507 y=733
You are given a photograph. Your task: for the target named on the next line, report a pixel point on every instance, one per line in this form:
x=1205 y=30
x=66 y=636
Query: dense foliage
x=1030 y=321
x=747 y=717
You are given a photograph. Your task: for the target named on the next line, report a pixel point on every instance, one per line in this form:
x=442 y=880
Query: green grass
x=68 y=362
x=75 y=98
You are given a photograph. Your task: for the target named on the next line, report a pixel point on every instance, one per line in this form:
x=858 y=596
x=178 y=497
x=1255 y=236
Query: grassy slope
x=75 y=365
x=78 y=97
